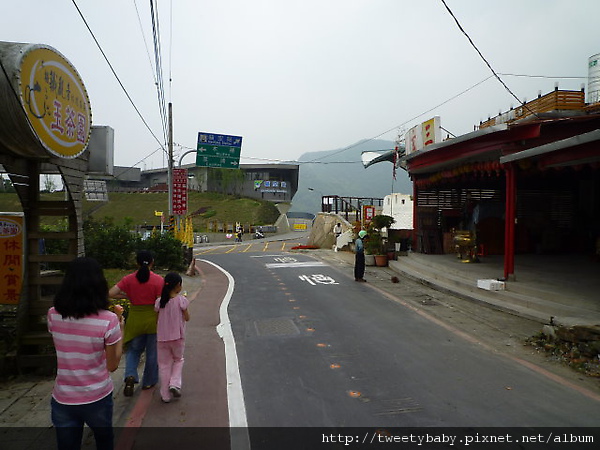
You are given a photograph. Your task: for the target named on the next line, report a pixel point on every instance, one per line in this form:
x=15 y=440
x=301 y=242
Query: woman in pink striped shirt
x=173 y=312
x=87 y=338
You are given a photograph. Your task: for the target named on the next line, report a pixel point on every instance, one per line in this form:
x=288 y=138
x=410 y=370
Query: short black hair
x=84 y=290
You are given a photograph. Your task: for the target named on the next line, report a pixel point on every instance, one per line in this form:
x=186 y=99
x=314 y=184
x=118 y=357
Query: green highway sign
x=219 y=150
x=224 y=162
x=215 y=150
x=218 y=156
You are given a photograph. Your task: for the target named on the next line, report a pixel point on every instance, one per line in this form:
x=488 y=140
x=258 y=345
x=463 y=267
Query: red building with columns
x=527 y=181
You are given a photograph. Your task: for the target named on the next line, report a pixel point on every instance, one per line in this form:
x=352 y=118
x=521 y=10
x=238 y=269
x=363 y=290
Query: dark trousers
x=359 y=266
x=68 y=420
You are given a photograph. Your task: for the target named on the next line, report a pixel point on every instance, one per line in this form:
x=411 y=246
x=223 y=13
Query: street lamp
x=322 y=196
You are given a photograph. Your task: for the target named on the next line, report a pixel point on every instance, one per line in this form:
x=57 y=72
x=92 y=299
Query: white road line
x=235 y=394
x=294 y=264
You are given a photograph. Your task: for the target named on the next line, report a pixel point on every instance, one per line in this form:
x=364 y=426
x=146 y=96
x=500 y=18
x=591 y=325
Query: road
x=317 y=349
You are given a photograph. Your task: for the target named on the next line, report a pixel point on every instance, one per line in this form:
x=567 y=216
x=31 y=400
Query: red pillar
x=415 y=218
x=509 y=224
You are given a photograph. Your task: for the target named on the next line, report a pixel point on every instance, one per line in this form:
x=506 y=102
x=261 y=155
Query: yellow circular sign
x=55 y=101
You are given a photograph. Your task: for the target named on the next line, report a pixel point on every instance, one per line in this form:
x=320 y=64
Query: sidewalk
x=25 y=401
x=560 y=289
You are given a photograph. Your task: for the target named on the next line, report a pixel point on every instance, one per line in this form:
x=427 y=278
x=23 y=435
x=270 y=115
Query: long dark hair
x=84 y=290
x=172 y=279
x=144 y=259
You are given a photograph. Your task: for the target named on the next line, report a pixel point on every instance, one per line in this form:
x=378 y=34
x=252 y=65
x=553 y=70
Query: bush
x=114 y=246
x=267 y=214
x=167 y=251
x=54 y=246
x=111 y=245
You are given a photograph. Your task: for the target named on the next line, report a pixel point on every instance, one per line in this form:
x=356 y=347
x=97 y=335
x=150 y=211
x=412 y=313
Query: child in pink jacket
x=172 y=308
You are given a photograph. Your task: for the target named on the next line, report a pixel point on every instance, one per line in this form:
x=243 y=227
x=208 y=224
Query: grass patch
x=139 y=208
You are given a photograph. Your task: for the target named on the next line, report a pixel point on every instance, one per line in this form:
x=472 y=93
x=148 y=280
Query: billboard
x=55 y=101
x=180 y=178
x=422 y=135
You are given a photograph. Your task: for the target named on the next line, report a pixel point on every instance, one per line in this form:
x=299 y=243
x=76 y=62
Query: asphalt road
x=317 y=349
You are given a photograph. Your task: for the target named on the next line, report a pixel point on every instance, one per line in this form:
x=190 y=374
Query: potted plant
x=375 y=244
x=372 y=247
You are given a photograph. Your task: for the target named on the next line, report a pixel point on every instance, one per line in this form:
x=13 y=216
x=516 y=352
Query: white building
x=400 y=207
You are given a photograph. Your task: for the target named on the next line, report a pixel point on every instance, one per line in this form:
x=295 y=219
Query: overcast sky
x=299 y=76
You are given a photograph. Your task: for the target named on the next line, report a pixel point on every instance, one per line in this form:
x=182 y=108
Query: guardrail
x=553 y=101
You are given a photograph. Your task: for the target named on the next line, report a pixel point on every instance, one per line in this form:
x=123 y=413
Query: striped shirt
x=82 y=376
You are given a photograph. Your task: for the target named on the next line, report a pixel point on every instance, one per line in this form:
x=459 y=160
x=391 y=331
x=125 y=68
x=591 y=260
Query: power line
x=496 y=75
x=144 y=39
x=115 y=74
x=158 y=67
x=380 y=134
x=293 y=161
x=171 y=51
x=448 y=101
x=411 y=119
x=116 y=177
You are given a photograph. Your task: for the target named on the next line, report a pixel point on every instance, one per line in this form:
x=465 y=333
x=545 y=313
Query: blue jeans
x=68 y=421
x=134 y=350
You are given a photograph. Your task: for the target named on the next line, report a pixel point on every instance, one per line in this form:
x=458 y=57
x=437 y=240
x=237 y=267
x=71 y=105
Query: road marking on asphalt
x=235 y=393
x=295 y=264
x=317 y=278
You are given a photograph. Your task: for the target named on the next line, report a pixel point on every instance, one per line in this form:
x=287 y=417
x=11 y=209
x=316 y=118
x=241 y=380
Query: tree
x=6 y=185
x=230 y=181
x=49 y=183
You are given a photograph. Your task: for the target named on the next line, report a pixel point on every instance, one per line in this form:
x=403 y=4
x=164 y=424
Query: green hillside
x=140 y=208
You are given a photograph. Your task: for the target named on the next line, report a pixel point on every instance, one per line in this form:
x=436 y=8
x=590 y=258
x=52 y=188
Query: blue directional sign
x=219 y=140
x=218 y=150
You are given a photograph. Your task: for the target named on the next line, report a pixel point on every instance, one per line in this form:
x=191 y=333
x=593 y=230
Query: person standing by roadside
x=89 y=345
x=359 y=260
x=141 y=288
x=337 y=232
x=172 y=308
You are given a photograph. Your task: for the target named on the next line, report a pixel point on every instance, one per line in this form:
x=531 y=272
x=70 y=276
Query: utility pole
x=170 y=162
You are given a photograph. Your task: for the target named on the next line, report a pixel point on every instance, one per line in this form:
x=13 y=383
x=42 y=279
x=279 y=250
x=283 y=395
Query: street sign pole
x=170 y=163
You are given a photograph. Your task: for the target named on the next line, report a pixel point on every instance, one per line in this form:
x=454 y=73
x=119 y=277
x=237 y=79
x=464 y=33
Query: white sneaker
x=175 y=391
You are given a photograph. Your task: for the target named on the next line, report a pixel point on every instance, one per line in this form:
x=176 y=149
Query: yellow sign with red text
x=11 y=258
x=55 y=101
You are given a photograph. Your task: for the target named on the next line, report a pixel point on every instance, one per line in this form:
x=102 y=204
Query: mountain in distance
x=341 y=172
